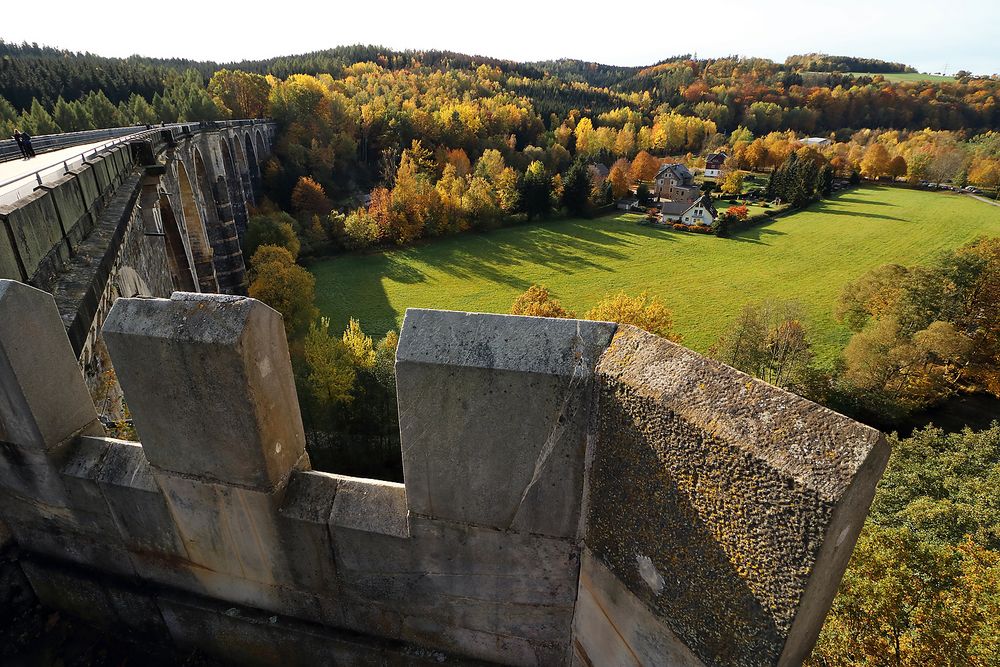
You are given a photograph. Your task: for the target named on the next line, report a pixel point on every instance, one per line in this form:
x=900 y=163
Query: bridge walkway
x=17 y=176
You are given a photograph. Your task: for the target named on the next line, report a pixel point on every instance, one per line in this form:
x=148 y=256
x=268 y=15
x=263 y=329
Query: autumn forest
x=378 y=149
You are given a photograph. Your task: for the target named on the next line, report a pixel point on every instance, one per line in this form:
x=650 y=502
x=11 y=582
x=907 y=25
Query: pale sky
x=959 y=34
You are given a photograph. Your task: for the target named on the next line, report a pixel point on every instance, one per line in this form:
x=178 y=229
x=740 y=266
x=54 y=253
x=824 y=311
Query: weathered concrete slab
x=477 y=591
x=43 y=398
x=370 y=505
x=141 y=515
x=494 y=411
x=613 y=627
x=98 y=600
x=760 y=496
x=304 y=532
x=209 y=383
x=247 y=638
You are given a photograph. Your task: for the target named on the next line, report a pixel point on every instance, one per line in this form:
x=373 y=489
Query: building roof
x=704 y=202
x=721 y=156
x=814 y=141
x=674 y=207
x=679 y=171
x=599 y=169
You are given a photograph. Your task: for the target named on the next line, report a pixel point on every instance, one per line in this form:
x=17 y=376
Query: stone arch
x=179 y=261
x=234 y=184
x=201 y=248
x=221 y=227
x=261 y=144
x=252 y=162
x=243 y=167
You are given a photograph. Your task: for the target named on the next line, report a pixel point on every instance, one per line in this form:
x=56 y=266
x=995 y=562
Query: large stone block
x=370 y=505
x=34 y=225
x=209 y=383
x=226 y=529
x=462 y=588
x=97 y=599
x=87 y=182
x=9 y=267
x=244 y=637
x=43 y=398
x=729 y=507
x=140 y=512
x=304 y=531
x=494 y=411
x=612 y=626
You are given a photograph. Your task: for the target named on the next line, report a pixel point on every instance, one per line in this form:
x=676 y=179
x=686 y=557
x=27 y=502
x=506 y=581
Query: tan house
x=676 y=183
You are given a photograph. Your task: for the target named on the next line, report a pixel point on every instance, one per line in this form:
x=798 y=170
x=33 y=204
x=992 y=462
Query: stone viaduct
x=166 y=211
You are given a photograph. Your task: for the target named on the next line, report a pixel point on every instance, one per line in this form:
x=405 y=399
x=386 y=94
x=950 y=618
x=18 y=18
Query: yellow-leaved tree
x=537 y=302
x=331 y=368
x=644 y=311
x=285 y=286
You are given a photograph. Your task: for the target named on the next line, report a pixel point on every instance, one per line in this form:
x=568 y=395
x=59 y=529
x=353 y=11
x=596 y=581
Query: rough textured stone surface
x=210 y=386
x=746 y=479
x=494 y=411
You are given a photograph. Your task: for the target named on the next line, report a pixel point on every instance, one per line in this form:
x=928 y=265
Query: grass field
x=705 y=280
x=905 y=76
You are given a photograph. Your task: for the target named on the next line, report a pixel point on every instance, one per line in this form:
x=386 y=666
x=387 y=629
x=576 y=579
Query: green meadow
x=895 y=77
x=806 y=256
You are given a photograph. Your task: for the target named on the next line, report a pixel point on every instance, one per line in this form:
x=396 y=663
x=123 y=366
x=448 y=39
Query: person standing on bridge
x=26 y=143
x=20 y=144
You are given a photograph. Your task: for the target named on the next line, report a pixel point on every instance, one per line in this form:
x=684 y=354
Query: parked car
x=972 y=190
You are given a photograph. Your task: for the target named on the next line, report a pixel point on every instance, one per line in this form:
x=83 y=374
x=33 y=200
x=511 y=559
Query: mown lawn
x=807 y=256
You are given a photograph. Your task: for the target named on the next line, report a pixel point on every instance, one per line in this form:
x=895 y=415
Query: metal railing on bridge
x=26 y=183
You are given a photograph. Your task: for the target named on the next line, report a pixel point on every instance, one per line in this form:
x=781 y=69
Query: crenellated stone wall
x=575 y=493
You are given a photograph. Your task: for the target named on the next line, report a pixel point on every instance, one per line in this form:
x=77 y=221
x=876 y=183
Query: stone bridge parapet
x=574 y=493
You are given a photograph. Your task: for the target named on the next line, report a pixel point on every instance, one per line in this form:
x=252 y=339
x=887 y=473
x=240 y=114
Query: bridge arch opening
x=252 y=162
x=182 y=272
x=221 y=226
x=201 y=249
x=243 y=167
x=261 y=145
x=234 y=185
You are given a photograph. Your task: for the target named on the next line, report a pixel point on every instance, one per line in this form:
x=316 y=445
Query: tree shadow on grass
x=828 y=209
x=865 y=202
x=355 y=284
x=754 y=234
x=566 y=246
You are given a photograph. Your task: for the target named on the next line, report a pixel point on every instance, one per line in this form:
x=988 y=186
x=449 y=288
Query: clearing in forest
x=704 y=280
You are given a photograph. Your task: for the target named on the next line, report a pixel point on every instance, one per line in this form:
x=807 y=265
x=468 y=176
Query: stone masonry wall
x=575 y=493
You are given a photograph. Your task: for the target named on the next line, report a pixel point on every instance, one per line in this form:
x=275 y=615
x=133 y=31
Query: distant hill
x=31 y=71
x=821 y=62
